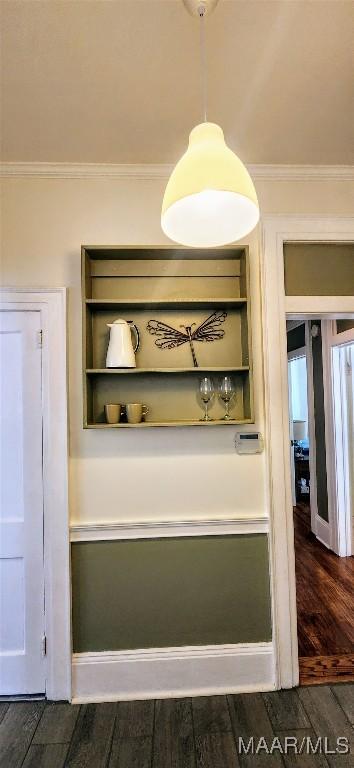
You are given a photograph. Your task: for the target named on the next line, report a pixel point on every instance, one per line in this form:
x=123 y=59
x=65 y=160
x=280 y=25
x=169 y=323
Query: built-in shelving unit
x=176 y=286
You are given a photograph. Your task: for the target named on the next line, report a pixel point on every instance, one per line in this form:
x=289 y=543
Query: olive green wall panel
x=313 y=269
x=154 y=593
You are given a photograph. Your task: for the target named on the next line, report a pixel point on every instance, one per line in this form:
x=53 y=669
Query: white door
x=22 y=668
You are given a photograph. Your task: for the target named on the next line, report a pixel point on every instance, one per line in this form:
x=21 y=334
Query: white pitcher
x=121 y=353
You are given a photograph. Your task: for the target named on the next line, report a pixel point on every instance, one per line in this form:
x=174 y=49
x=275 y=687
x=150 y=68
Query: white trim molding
x=322 y=531
x=163 y=171
x=51 y=302
x=327 y=532
x=341 y=473
x=172 y=672
x=276 y=231
x=338 y=307
x=108 y=531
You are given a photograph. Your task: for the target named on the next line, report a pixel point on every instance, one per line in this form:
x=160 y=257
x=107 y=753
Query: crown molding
x=85 y=171
x=148 y=172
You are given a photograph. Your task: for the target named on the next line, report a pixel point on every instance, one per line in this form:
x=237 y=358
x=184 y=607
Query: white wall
x=180 y=473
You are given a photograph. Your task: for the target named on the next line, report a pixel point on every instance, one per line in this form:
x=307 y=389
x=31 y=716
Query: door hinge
x=44 y=645
x=39 y=339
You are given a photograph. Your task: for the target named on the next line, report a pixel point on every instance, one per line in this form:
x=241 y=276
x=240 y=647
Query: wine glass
x=226 y=393
x=206 y=391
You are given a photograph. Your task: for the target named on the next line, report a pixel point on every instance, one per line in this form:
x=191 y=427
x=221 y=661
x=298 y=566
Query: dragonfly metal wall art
x=169 y=337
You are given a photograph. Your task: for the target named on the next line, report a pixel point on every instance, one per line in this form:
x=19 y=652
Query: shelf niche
x=177 y=286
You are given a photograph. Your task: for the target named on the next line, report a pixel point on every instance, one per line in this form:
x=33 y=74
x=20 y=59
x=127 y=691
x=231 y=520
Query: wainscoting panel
x=159 y=593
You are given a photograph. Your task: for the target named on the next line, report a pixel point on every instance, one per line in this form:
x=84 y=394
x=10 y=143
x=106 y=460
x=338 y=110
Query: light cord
x=203 y=63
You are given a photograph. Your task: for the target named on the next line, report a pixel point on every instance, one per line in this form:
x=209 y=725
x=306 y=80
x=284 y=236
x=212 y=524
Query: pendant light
x=210 y=199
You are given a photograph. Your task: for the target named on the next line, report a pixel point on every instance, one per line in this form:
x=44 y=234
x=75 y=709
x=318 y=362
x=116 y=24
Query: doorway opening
x=321 y=413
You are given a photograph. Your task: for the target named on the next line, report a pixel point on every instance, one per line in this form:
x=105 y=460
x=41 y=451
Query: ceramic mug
x=135 y=412
x=112 y=413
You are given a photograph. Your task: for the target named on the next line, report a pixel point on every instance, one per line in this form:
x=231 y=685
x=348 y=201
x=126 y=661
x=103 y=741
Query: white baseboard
x=172 y=672
x=323 y=531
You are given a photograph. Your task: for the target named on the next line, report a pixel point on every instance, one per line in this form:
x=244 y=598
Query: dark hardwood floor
x=178 y=733
x=325 y=607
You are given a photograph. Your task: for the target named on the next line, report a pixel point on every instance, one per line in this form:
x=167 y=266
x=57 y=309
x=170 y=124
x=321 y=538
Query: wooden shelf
x=178 y=303
x=196 y=423
x=209 y=369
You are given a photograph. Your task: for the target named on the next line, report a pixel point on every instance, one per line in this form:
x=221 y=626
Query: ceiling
x=118 y=81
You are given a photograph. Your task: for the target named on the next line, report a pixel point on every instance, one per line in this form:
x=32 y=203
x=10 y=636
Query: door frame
x=276 y=231
x=51 y=303
x=343 y=533
x=311 y=429
x=291 y=432
x=296 y=354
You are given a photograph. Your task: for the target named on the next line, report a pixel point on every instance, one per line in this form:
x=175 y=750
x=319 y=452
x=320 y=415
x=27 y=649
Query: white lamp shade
x=300 y=430
x=210 y=199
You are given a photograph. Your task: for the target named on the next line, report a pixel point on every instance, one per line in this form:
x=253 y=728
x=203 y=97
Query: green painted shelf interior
x=177 y=286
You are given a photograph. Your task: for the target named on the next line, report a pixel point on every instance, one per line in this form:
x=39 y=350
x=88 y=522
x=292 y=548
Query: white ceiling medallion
x=194 y=7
